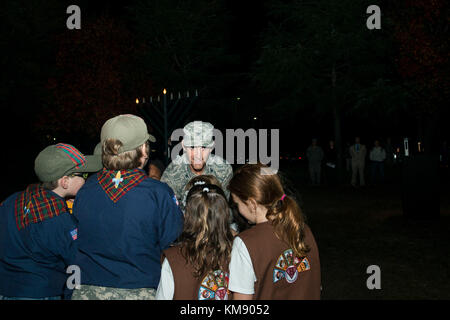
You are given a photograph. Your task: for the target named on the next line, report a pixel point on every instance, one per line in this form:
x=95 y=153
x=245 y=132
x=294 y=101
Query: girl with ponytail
x=278 y=257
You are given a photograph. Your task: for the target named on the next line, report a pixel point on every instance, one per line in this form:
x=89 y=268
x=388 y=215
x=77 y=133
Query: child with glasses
x=38 y=236
x=69 y=201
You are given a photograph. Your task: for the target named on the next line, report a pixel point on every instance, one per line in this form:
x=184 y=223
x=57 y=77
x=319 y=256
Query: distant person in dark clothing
x=377 y=157
x=348 y=157
x=315 y=156
x=358 y=153
x=389 y=152
x=330 y=163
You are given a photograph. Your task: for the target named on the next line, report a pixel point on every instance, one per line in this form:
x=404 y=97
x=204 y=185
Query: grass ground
x=356 y=228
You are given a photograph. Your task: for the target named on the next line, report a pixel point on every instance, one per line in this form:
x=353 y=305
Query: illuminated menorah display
x=170 y=114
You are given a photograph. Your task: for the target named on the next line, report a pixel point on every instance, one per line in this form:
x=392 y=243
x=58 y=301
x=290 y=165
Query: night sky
x=32 y=45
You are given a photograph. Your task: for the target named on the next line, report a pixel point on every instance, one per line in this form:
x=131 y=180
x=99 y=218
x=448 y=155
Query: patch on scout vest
x=69 y=204
x=35 y=204
x=117 y=179
x=214 y=286
x=174 y=198
x=74 y=234
x=289 y=266
x=116 y=184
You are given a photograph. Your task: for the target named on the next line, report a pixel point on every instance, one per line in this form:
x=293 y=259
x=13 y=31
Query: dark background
x=309 y=69
x=267 y=59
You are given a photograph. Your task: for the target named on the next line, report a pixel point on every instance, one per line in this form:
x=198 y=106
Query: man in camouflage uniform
x=196 y=159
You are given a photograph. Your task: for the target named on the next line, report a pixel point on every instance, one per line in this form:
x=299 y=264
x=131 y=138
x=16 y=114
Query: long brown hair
x=206 y=240
x=256 y=181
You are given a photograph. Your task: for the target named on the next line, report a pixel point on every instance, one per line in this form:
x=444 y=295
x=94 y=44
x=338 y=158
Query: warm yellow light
x=164 y=91
x=137 y=101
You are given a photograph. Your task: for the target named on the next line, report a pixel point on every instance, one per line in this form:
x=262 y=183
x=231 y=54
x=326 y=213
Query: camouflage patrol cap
x=198 y=134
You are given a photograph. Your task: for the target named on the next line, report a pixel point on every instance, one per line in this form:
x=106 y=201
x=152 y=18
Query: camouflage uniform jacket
x=178 y=173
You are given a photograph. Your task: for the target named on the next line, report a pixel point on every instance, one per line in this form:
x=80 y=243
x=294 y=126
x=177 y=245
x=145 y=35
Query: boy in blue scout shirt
x=37 y=233
x=126 y=219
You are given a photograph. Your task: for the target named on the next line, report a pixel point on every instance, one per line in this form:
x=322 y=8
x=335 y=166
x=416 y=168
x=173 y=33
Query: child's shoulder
x=156 y=187
x=173 y=248
x=9 y=200
x=173 y=252
x=254 y=231
x=307 y=231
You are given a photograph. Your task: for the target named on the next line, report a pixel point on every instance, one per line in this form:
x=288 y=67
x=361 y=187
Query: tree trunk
x=337 y=127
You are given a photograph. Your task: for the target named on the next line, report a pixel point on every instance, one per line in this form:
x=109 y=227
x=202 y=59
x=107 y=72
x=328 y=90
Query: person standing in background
x=358 y=153
x=377 y=157
x=315 y=156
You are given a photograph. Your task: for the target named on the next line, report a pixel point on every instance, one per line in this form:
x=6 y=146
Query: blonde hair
x=267 y=190
x=113 y=160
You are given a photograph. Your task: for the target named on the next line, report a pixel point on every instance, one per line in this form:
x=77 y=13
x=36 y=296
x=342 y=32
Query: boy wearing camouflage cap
x=125 y=218
x=38 y=236
x=197 y=159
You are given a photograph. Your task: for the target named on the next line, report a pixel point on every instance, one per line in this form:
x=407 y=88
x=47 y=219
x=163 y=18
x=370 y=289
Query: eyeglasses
x=82 y=175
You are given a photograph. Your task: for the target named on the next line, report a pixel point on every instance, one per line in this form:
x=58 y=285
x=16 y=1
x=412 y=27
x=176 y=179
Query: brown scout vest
x=279 y=274
x=210 y=286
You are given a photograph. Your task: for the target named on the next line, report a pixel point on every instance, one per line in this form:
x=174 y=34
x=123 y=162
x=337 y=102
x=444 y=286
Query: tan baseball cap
x=59 y=160
x=98 y=149
x=131 y=130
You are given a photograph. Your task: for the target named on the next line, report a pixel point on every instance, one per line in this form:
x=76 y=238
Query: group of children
x=131 y=238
